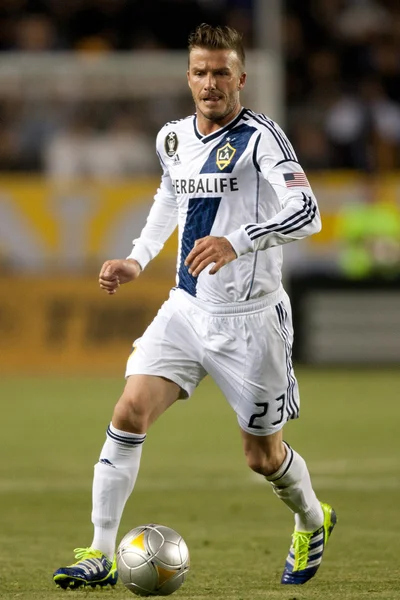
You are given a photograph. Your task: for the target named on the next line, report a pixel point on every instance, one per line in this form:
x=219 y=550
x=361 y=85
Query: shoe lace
x=300 y=546
x=82 y=553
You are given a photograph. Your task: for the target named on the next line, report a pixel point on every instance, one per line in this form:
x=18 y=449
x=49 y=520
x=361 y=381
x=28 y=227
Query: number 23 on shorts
x=264 y=407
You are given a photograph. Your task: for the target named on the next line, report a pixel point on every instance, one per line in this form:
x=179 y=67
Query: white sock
x=292 y=484
x=114 y=478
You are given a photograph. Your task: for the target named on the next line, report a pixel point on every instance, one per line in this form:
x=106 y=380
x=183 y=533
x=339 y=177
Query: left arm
x=298 y=218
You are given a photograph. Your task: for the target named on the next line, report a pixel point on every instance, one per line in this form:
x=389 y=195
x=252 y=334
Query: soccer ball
x=152 y=560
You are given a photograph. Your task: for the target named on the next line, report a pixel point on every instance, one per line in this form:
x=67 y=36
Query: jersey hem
x=235 y=308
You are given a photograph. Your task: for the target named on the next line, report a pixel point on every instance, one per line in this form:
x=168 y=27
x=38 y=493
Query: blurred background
x=84 y=87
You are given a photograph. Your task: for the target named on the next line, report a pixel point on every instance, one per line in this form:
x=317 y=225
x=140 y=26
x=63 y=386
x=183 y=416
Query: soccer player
x=232 y=183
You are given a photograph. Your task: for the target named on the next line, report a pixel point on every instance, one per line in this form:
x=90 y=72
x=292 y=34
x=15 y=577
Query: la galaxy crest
x=225 y=155
x=171 y=144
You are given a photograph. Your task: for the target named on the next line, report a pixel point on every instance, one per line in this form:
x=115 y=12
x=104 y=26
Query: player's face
x=215 y=78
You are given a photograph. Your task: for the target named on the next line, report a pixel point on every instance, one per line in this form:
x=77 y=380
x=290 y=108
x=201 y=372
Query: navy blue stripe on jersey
x=307 y=213
x=292 y=408
x=280 y=133
x=296 y=221
x=199 y=221
x=161 y=160
x=280 y=139
x=213 y=136
x=238 y=140
x=307 y=208
x=285 y=161
x=255 y=253
x=255 y=161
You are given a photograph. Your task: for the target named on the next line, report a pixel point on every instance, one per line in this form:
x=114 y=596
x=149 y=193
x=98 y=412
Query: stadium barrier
x=344 y=322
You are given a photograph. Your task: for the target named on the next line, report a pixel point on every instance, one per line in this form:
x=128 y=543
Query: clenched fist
x=115 y=272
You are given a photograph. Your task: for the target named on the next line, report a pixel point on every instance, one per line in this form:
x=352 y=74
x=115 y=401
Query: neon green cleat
x=305 y=554
x=91 y=569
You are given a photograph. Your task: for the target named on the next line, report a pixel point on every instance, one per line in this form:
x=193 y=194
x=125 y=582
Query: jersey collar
x=212 y=136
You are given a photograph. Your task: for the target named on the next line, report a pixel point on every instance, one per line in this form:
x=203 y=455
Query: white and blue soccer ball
x=152 y=560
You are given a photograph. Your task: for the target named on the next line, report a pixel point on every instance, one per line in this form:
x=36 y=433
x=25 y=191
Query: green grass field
x=194 y=479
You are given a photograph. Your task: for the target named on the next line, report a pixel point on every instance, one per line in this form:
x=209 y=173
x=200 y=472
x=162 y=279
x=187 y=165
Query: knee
x=264 y=463
x=131 y=413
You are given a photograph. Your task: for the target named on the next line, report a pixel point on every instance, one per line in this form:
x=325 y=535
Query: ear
x=242 y=81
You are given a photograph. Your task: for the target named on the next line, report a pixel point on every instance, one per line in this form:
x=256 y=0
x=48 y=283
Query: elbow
x=316 y=224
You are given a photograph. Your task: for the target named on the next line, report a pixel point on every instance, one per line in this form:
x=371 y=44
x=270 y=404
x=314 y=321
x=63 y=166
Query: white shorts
x=245 y=347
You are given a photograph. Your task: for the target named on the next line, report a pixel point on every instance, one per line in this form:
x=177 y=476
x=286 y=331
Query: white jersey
x=242 y=182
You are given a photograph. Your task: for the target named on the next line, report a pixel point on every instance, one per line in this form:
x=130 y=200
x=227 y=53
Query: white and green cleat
x=92 y=568
x=305 y=554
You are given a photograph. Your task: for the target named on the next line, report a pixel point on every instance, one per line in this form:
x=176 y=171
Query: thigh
x=257 y=375
x=143 y=400
x=169 y=349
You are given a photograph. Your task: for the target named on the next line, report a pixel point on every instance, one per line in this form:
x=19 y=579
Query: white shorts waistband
x=235 y=308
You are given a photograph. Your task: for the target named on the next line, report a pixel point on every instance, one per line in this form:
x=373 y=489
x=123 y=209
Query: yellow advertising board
x=71 y=225
x=70 y=326
x=78 y=224
x=53 y=317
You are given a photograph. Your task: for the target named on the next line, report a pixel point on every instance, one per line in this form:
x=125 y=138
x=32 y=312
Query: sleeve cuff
x=240 y=241
x=141 y=255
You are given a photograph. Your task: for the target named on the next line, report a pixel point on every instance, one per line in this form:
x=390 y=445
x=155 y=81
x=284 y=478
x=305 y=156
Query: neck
x=207 y=126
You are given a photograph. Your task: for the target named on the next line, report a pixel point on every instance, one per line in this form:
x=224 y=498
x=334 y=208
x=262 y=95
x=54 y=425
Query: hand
x=209 y=250
x=115 y=272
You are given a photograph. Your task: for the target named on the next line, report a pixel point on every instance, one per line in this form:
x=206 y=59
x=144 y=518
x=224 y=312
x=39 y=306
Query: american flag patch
x=296 y=179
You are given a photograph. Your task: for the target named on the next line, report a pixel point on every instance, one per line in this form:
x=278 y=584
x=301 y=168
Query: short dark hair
x=219 y=37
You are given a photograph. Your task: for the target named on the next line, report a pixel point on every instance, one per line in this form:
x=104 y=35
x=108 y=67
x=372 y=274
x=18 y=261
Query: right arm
x=160 y=224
